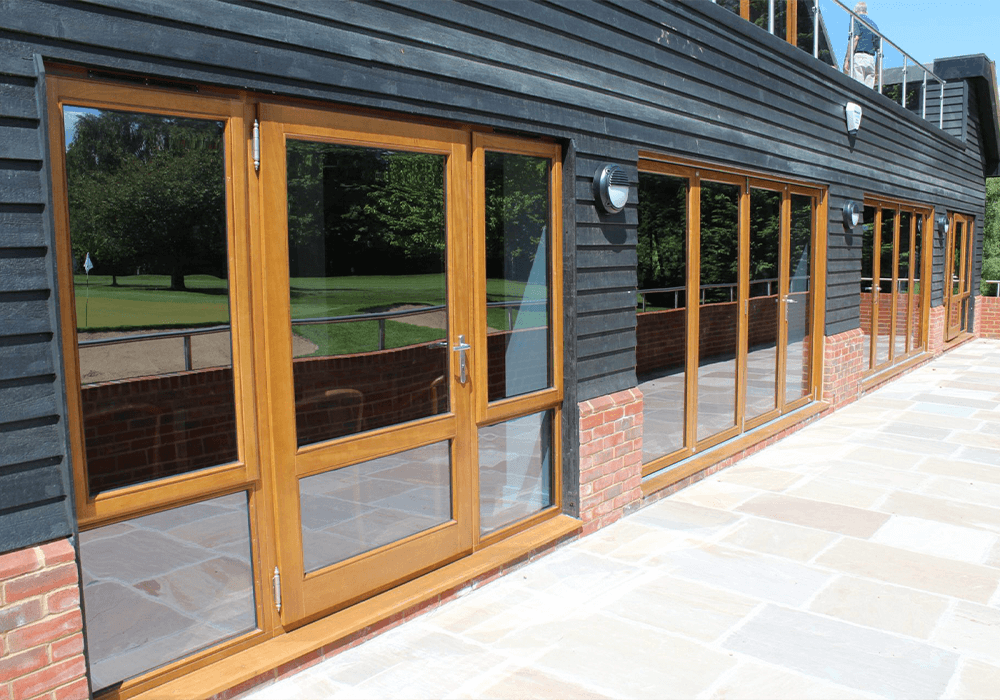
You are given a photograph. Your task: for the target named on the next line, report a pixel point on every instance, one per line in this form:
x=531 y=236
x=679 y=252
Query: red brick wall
x=41 y=628
x=988 y=317
x=935 y=329
x=610 y=458
x=843 y=365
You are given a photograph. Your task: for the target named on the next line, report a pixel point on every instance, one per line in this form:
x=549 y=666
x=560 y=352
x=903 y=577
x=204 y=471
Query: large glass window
x=893 y=295
x=366 y=256
x=661 y=330
x=725 y=319
x=147 y=218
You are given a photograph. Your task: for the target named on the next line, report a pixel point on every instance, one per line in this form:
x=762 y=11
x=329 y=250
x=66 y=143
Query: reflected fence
x=512 y=309
x=768 y=286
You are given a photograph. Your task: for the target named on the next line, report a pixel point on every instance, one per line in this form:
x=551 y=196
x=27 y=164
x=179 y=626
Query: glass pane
x=916 y=289
x=799 y=303
x=355 y=509
x=901 y=307
x=661 y=328
x=366 y=260
x=147 y=212
x=762 y=307
x=867 y=285
x=163 y=586
x=517 y=274
x=515 y=470
x=957 y=257
x=719 y=298
x=885 y=296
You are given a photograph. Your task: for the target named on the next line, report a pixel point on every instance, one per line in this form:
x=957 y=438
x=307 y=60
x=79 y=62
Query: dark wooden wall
x=34 y=478
x=605 y=78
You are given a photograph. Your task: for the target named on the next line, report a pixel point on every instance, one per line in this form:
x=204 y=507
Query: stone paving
x=858 y=558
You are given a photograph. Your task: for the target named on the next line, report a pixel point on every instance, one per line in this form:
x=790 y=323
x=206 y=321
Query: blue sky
x=926 y=30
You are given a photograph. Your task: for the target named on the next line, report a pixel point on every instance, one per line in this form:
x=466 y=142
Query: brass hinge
x=276 y=588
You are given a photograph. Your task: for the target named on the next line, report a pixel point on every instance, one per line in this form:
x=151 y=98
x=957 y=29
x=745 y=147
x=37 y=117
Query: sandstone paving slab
x=780 y=539
x=886 y=607
x=857 y=657
x=749 y=573
x=613 y=656
x=579 y=577
x=975 y=681
x=528 y=682
x=942 y=510
x=946 y=409
x=906 y=449
x=713 y=493
x=917 y=430
x=757 y=477
x=219 y=591
x=971 y=629
x=167 y=519
x=686 y=517
x=986 y=455
x=685 y=608
x=753 y=680
x=936 y=538
x=888 y=474
x=913 y=569
x=845 y=520
x=969 y=471
x=984 y=439
x=952 y=399
x=841 y=491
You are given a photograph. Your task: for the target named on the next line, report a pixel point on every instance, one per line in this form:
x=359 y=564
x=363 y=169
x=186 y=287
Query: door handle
x=461 y=349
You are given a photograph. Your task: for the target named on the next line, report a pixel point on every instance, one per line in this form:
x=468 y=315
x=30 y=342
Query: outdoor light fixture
x=852 y=111
x=942 y=224
x=852 y=214
x=611 y=188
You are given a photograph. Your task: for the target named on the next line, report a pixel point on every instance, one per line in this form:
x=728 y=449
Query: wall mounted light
x=852 y=214
x=611 y=188
x=942 y=224
x=852 y=112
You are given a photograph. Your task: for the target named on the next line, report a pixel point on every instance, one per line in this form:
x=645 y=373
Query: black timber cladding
x=683 y=79
x=35 y=503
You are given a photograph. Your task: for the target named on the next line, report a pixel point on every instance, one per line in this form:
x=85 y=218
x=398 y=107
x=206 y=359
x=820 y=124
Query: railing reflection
x=382 y=316
x=768 y=284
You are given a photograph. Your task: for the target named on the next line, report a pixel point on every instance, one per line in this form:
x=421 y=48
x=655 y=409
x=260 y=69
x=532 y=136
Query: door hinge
x=276 y=588
x=256 y=149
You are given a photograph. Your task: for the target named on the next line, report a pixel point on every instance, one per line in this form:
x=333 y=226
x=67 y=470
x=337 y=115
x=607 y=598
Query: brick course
x=610 y=458
x=988 y=317
x=843 y=367
x=41 y=626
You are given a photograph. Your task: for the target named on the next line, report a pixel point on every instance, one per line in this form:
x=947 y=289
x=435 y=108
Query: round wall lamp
x=852 y=213
x=611 y=188
x=942 y=224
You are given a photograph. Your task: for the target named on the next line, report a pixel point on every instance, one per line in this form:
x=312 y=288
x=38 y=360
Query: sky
x=925 y=30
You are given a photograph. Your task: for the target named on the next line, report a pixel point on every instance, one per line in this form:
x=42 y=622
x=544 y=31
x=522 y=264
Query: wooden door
x=958 y=287
x=368 y=318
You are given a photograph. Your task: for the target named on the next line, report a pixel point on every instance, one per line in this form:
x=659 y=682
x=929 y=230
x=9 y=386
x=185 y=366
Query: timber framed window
x=392 y=289
x=730 y=281
x=894 y=296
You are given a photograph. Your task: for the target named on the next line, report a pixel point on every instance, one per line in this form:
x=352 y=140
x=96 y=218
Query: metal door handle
x=461 y=349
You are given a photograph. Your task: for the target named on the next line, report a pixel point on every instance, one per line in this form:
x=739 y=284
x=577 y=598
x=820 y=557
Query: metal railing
x=381 y=316
x=733 y=288
x=903 y=285
x=996 y=286
x=880 y=60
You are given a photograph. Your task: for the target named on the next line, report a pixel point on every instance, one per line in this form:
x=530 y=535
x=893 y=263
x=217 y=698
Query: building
x=312 y=314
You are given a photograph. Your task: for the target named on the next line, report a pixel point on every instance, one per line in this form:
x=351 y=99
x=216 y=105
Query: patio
x=858 y=558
